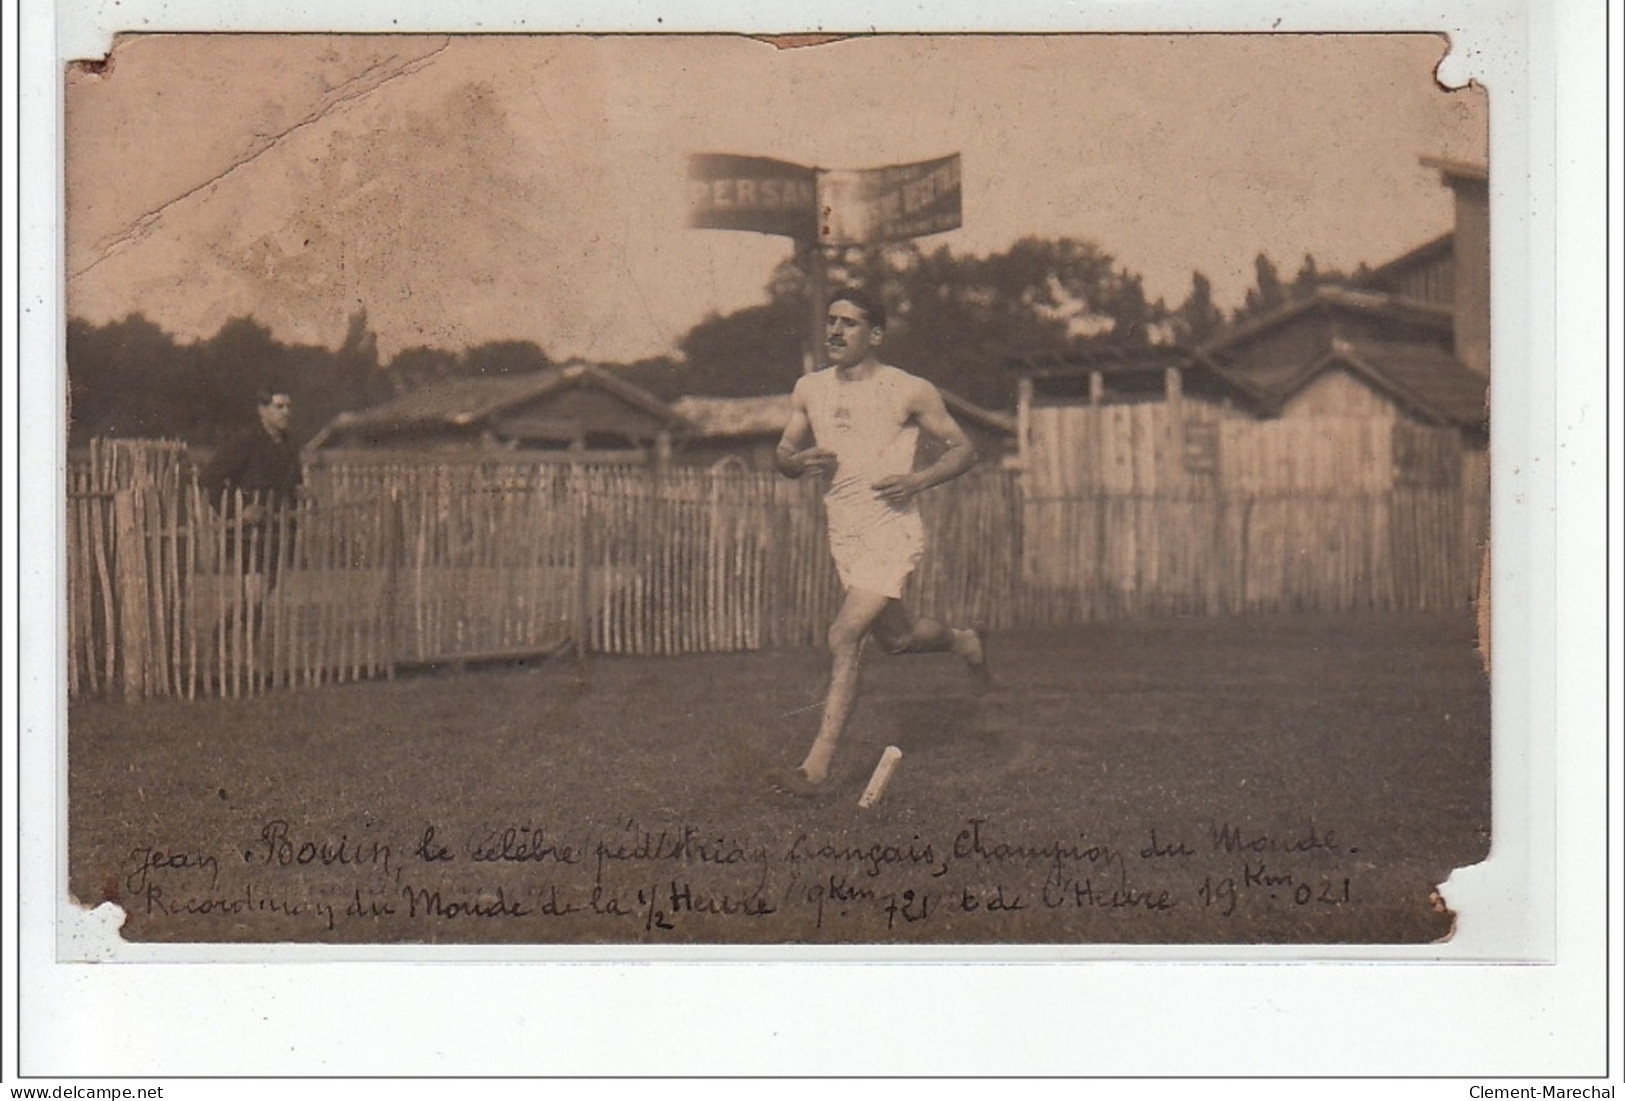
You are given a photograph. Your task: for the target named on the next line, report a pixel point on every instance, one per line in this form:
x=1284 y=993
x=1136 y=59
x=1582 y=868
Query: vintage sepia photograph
x=709 y=490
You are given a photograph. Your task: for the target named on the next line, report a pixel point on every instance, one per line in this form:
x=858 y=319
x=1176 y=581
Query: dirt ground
x=1283 y=779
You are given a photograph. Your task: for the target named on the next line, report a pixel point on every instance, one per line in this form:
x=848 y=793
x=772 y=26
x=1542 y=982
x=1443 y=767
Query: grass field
x=1291 y=779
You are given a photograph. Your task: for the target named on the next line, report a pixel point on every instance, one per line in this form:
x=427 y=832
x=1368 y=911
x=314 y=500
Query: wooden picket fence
x=390 y=564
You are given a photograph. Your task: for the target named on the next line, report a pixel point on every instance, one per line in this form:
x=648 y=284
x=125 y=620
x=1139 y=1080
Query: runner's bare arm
x=794 y=456
x=958 y=456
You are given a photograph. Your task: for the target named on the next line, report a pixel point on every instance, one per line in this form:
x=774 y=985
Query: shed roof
x=1423 y=378
x=1333 y=299
x=724 y=418
x=1429 y=382
x=1109 y=359
x=1200 y=371
x=1428 y=252
x=461 y=402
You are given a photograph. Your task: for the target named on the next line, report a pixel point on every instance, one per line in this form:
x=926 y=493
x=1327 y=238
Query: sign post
x=822 y=209
x=811 y=357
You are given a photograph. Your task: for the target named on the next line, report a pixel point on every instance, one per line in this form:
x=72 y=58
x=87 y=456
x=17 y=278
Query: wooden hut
x=1332 y=453
x=1112 y=418
x=730 y=432
x=1305 y=463
x=1341 y=353
x=578 y=411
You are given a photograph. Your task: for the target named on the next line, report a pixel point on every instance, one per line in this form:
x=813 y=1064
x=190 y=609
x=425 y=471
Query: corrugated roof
x=1195 y=365
x=721 y=418
x=1108 y=359
x=1429 y=381
x=459 y=402
x=1426 y=253
x=456 y=401
x=1354 y=301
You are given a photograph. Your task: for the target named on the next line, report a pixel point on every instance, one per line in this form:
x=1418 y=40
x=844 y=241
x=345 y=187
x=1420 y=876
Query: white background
x=1524 y=1023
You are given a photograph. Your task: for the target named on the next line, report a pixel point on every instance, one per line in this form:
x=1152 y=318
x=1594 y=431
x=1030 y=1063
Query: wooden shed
x=571 y=411
x=1113 y=418
x=1297 y=408
x=1349 y=353
x=1330 y=455
x=1335 y=389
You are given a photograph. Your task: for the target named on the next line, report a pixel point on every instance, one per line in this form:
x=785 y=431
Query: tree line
x=957 y=319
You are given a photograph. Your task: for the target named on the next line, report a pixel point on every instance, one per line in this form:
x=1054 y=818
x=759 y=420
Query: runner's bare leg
x=900 y=631
x=858 y=612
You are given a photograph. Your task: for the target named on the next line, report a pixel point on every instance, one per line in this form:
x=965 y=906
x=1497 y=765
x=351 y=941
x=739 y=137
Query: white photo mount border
x=1542 y=709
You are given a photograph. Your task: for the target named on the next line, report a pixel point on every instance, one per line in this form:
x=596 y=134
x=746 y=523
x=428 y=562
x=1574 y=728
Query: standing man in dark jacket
x=263 y=465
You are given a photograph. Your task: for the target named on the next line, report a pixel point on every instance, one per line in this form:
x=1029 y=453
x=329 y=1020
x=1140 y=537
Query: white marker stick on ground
x=882 y=776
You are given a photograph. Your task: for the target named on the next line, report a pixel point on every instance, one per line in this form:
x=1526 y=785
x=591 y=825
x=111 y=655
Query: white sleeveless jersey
x=866 y=423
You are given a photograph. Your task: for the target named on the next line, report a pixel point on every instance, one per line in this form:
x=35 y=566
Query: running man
x=856 y=424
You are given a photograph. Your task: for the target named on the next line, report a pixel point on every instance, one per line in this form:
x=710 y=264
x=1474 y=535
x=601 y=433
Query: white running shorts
x=879 y=551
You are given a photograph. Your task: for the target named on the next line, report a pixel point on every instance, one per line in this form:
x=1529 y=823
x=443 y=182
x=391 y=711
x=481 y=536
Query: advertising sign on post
x=822 y=208
x=869 y=205
x=726 y=191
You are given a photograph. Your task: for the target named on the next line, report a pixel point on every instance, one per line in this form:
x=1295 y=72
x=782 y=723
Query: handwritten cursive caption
x=642 y=882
